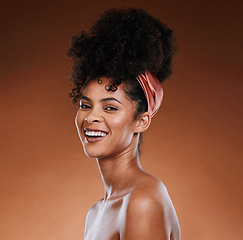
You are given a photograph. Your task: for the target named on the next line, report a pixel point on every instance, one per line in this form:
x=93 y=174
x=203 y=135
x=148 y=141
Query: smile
x=94 y=135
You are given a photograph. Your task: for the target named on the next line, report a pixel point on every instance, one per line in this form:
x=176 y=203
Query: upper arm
x=146 y=218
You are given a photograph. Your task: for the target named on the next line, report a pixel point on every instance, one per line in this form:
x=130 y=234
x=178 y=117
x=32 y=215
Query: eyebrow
x=110 y=99
x=85 y=98
x=102 y=100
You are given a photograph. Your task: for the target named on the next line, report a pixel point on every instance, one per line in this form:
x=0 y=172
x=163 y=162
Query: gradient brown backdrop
x=194 y=144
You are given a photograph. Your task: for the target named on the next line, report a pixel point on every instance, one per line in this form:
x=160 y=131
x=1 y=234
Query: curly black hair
x=122 y=44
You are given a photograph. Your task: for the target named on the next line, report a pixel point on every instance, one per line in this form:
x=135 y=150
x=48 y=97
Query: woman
x=117 y=72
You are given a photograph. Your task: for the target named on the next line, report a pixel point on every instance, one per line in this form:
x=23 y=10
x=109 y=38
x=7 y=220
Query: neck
x=119 y=172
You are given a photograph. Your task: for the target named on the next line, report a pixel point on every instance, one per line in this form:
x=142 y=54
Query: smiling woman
x=117 y=72
x=107 y=116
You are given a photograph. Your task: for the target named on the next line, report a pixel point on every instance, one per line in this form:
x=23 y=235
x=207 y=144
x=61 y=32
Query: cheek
x=122 y=126
x=124 y=118
x=117 y=122
x=78 y=121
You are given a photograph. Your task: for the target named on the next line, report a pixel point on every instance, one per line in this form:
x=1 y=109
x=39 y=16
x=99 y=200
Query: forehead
x=99 y=88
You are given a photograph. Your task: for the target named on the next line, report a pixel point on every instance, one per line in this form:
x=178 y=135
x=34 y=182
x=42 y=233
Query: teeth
x=95 y=134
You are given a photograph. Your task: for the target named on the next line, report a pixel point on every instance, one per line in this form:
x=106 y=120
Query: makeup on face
x=105 y=119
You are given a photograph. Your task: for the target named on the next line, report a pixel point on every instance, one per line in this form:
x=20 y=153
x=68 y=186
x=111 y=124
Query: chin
x=92 y=152
x=98 y=153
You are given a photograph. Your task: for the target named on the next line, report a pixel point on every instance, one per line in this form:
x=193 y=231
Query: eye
x=109 y=108
x=84 y=106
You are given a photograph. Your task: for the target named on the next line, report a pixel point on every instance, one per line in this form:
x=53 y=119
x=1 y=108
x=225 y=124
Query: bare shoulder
x=92 y=211
x=91 y=215
x=151 y=193
x=150 y=213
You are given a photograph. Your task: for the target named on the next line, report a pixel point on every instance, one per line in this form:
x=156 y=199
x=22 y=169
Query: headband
x=153 y=91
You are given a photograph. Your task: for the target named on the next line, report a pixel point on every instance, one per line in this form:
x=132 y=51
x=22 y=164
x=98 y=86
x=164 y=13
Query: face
x=105 y=120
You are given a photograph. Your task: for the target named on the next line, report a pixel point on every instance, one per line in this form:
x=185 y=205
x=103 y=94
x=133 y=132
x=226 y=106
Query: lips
x=94 y=135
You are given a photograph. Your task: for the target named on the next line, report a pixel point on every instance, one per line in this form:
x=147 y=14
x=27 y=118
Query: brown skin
x=136 y=205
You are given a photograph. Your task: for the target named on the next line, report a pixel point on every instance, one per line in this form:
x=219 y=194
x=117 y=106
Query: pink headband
x=153 y=91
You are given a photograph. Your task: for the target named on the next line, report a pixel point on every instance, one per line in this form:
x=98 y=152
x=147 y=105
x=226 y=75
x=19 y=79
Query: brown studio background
x=194 y=144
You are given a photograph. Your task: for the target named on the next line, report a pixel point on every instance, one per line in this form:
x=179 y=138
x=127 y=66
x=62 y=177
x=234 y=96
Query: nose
x=93 y=117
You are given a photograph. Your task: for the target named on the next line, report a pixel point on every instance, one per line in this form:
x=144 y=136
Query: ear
x=142 y=122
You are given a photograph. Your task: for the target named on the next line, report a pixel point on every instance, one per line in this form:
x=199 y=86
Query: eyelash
x=85 y=106
x=109 y=108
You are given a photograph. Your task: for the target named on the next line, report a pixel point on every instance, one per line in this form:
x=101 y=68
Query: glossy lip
x=94 y=139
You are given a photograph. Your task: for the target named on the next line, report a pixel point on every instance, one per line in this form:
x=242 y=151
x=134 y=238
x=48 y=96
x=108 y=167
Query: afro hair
x=122 y=44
